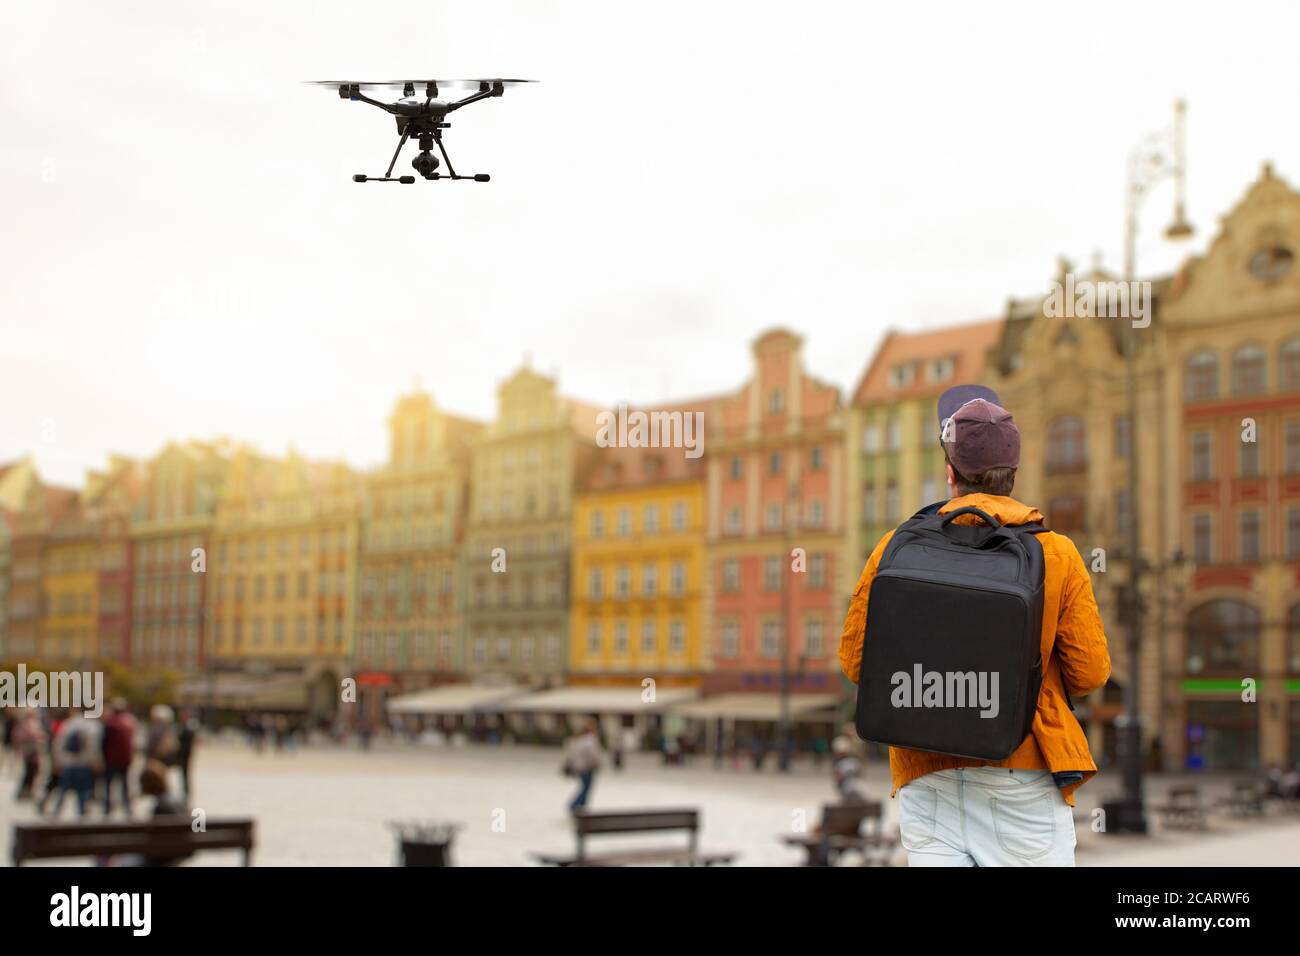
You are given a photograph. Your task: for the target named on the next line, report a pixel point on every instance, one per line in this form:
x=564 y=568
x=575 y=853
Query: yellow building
x=281 y=575
x=638 y=595
x=69 y=579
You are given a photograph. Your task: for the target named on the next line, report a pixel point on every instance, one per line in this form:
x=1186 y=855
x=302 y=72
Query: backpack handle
x=970 y=510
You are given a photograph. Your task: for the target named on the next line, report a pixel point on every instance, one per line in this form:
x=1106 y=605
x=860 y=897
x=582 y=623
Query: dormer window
x=940 y=369
x=901 y=376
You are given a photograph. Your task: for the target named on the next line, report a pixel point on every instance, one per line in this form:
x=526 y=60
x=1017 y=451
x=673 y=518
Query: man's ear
x=952 y=480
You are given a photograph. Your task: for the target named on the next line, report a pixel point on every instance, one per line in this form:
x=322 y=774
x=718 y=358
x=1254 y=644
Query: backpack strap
x=1038 y=527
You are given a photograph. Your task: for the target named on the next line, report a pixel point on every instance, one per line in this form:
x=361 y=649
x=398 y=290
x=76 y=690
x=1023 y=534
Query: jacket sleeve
x=855 y=623
x=1080 y=639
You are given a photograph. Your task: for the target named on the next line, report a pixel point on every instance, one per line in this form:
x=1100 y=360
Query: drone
x=421 y=117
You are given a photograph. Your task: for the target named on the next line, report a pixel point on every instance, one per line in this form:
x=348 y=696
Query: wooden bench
x=841 y=831
x=1185 y=809
x=156 y=839
x=1246 y=799
x=589 y=823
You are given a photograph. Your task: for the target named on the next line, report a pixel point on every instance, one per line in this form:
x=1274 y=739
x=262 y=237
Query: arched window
x=1293 y=639
x=1201 y=376
x=1223 y=637
x=1067 y=445
x=1249 y=370
x=1288 y=365
x=1066 y=514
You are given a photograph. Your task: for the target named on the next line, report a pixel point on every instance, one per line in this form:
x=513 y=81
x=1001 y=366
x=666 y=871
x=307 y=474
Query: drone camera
x=482 y=178
x=406 y=180
x=425 y=164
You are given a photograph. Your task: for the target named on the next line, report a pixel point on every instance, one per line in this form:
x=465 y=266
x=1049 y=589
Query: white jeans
x=986 y=816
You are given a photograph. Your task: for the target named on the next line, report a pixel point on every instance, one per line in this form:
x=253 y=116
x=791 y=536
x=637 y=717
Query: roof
x=456 y=699
x=616 y=467
x=965 y=344
x=599 y=700
x=757 y=706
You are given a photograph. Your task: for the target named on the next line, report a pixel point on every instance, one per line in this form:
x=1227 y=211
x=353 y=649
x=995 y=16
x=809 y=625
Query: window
x=1201 y=376
x=596 y=583
x=1202 y=456
x=869 y=504
x=871 y=440
x=503 y=649
x=480 y=650
x=1292 y=450
x=1249 y=370
x=1293 y=534
x=729 y=639
x=772 y=517
x=301 y=635
x=771 y=643
x=650 y=520
x=775 y=402
x=1223 y=638
x=1248 y=459
x=649 y=580
x=624 y=522
x=622 y=581
x=303 y=584
x=1288 y=365
x=774 y=463
x=817 y=459
x=679 y=516
x=893 y=434
x=620 y=637
x=649 y=640
x=1066 y=514
x=736 y=469
x=891 y=503
x=929 y=490
x=677 y=637
x=678 y=578
x=1123 y=513
x=772 y=573
x=733 y=520
x=816 y=513
x=593 y=638
x=1067 y=447
x=731 y=575
x=817 y=571
x=1203 y=538
x=1123 y=436
x=939 y=370
x=1250 y=546
x=901 y=376
x=814 y=641
x=597 y=524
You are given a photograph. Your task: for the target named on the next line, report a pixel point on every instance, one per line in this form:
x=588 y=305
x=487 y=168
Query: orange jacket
x=1073 y=645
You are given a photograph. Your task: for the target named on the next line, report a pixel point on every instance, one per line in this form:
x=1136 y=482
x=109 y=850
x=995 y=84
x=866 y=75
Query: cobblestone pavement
x=325 y=806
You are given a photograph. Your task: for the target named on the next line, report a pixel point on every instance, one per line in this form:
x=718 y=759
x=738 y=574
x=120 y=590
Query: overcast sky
x=185 y=255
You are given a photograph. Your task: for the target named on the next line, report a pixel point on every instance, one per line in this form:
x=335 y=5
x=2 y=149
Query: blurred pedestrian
x=79 y=755
x=8 y=723
x=56 y=719
x=186 y=738
x=153 y=783
x=28 y=740
x=582 y=760
x=120 y=729
x=161 y=742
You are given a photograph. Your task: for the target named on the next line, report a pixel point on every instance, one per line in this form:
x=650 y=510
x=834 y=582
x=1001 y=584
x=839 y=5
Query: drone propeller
x=417 y=84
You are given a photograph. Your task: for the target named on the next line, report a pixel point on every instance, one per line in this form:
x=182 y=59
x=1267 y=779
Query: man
x=582 y=760
x=78 y=754
x=119 y=751
x=958 y=811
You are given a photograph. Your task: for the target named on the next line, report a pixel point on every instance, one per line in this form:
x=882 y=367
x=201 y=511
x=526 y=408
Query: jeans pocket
x=918 y=806
x=1025 y=826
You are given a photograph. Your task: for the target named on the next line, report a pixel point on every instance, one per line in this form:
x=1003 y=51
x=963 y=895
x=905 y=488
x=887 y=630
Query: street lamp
x=1157 y=158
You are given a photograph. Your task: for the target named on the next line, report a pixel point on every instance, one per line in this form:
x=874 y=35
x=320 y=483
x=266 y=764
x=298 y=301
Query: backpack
x=951 y=659
x=72 y=743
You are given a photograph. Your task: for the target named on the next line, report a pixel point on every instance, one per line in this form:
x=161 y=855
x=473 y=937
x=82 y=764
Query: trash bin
x=424 y=844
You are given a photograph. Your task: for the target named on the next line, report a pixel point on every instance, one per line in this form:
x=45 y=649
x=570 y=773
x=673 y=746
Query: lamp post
x=1157 y=158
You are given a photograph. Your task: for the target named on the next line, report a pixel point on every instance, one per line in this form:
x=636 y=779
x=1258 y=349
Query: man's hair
x=995 y=481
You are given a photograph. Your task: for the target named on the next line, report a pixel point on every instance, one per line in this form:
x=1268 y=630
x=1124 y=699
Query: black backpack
x=951 y=659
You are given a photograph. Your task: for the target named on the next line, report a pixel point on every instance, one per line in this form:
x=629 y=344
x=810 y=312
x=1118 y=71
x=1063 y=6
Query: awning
x=578 y=699
x=805 y=707
x=455 y=699
x=245 y=692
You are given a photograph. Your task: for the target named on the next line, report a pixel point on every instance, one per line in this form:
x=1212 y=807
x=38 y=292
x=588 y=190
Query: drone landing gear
x=426 y=164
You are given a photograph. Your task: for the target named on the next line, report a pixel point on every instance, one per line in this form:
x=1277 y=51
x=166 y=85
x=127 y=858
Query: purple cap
x=981 y=435
x=957 y=396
